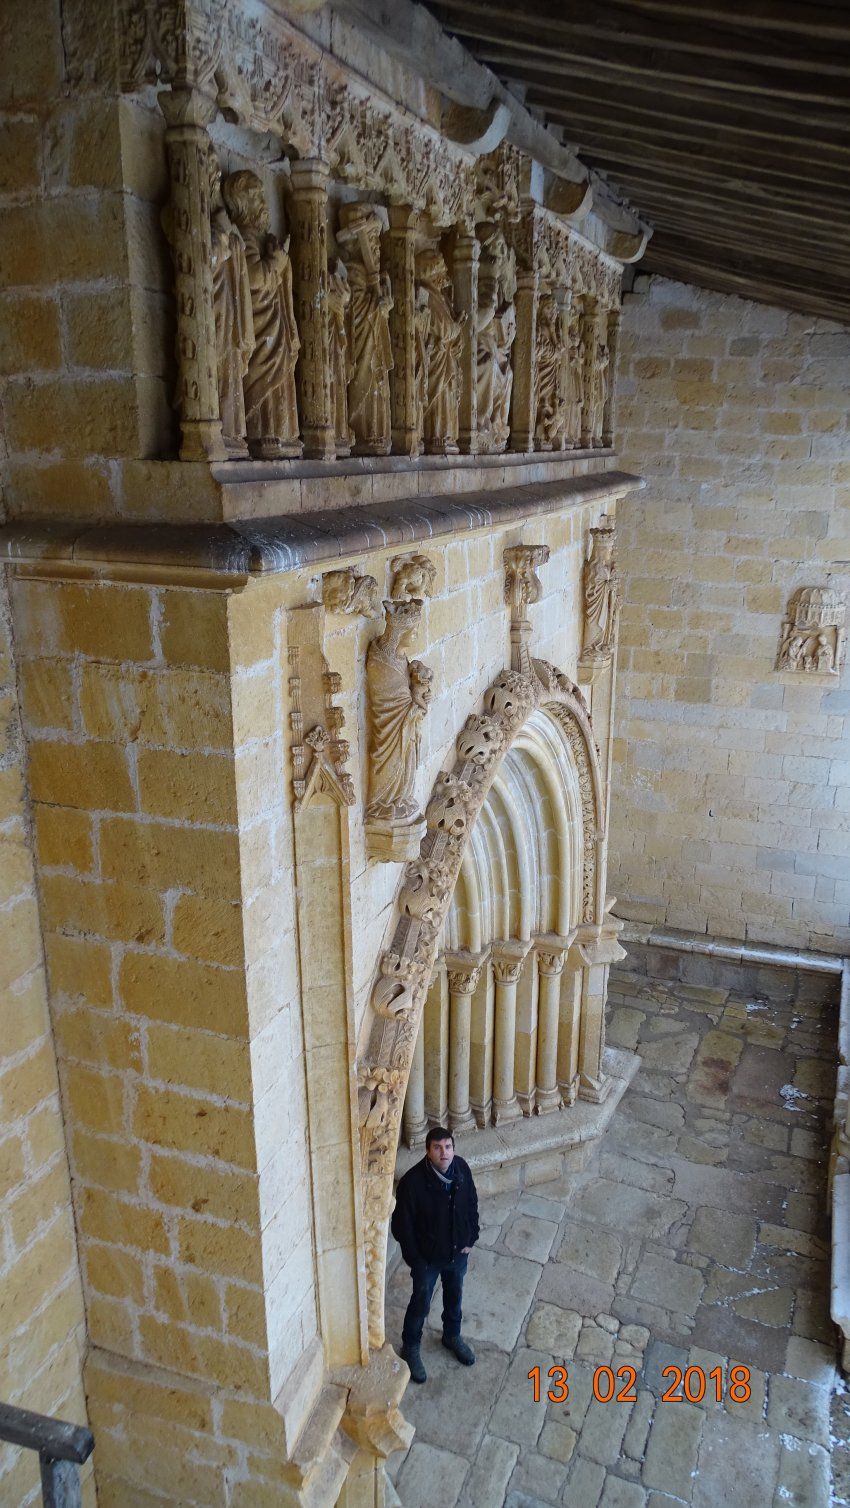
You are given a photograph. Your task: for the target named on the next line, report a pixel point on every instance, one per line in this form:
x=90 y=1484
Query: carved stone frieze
x=425 y=893
x=812 y=637
x=346 y=592
x=399 y=694
x=601 y=606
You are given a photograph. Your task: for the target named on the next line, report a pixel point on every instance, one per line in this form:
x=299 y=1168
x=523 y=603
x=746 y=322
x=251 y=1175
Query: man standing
x=435 y=1223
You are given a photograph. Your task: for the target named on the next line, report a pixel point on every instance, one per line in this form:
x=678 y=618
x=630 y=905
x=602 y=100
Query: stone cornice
x=232 y=553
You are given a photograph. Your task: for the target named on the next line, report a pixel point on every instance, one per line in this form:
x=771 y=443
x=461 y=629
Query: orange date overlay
x=690 y=1385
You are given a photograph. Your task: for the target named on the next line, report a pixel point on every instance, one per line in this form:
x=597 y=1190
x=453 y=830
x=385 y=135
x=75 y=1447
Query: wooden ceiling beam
x=827 y=21
x=629 y=62
x=779 y=78
x=618 y=25
x=631 y=146
x=683 y=268
x=759 y=114
x=811 y=211
x=575 y=102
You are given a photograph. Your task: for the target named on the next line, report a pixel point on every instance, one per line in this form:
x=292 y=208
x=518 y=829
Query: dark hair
x=438 y=1133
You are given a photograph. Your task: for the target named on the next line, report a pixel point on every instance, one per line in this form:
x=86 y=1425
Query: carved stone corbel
x=601 y=590
x=522 y=588
x=346 y=592
x=413 y=577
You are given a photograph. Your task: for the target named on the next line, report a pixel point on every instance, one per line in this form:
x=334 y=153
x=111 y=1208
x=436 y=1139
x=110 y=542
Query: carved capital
x=346 y=592
x=508 y=959
x=463 y=973
x=551 y=961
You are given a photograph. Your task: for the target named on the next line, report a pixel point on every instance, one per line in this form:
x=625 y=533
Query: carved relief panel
x=812 y=638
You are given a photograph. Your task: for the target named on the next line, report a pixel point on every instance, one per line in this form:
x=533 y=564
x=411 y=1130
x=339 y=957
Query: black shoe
x=463 y=1352
x=411 y=1355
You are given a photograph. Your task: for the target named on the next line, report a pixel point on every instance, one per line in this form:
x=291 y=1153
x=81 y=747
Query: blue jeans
x=424 y=1283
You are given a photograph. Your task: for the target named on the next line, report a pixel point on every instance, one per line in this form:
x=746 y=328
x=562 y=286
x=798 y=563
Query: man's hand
x=465 y=1250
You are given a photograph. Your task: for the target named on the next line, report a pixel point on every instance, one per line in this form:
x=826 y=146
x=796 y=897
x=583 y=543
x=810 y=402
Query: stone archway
x=391 y=1025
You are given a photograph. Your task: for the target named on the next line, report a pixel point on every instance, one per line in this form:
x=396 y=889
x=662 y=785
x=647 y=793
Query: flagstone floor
x=696 y=1238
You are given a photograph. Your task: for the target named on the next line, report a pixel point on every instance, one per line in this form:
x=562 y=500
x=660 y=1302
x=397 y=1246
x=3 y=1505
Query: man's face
x=441 y=1154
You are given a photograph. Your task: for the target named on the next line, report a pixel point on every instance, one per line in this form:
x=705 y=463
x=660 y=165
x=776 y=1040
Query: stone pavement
x=696 y=1237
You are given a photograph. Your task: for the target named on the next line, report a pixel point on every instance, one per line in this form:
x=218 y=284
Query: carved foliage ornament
x=423 y=902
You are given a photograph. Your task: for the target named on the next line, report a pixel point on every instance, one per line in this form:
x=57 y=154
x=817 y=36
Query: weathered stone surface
x=726 y=1237
x=490 y=1474
x=527 y=1236
x=551 y=1328
x=431 y=1476
x=798 y=1408
x=597 y=1253
x=671 y=1455
x=738 y=1463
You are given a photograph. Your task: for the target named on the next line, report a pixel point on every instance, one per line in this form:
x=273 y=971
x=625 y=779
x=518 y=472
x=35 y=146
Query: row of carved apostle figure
x=258 y=343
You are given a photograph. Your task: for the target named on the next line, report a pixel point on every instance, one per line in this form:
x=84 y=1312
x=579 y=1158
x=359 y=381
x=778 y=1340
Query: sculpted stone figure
x=413 y=577
x=550 y=431
x=812 y=637
x=575 y=380
x=399 y=692
x=597 y=393
x=271 y=410
x=370 y=357
x=234 y=322
x=601 y=596
x=339 y=298
x=443 y=349
x=421 y=328
x=496 y=332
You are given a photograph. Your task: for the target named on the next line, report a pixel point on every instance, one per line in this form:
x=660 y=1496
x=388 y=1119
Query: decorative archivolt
x=423 y=901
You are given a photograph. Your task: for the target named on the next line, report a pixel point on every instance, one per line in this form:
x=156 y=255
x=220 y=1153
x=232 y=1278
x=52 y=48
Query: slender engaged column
x=590 y=334
x=465 y=279
x=569 y=1026
x=415 y=1119
x=186 y=220
x=609 y=418
x=599 y=952
x=310 y=285
x=550 y=967
x=401 y=240
x=524 y=395
x=508 y=959
x=463 y=976
x=436 y=1047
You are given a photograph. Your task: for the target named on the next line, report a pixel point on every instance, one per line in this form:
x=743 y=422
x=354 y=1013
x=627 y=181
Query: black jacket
x=430 y=1223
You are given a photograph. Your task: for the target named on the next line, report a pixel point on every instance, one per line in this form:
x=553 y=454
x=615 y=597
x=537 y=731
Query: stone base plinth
x=394 y=842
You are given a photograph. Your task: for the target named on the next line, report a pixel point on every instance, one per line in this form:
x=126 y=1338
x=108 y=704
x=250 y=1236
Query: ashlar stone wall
x=731 y=803
x=42 y=1324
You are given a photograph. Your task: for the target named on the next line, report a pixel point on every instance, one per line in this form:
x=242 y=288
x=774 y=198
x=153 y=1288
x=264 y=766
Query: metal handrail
x=62 y=1449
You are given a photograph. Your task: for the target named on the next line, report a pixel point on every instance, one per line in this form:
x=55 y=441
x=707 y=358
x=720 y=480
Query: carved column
x=188 y=112
x=481 y=1051
x=550 y=967
x=465 y=279
x=436 y=1048
x=524 y=354
x=463 y=976
x=415 y=1119
x=400 y=243
x=310 y=284
x=599 y=951
x=569 y=1026
x=590 y=332
x=508 y=959
x=613 y=349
